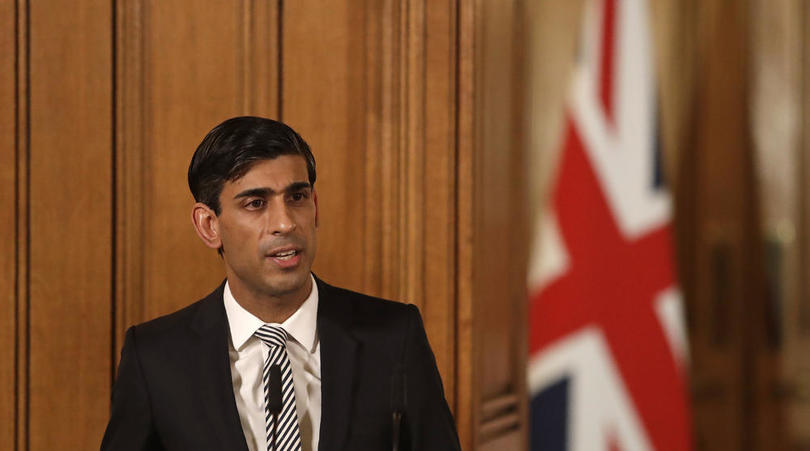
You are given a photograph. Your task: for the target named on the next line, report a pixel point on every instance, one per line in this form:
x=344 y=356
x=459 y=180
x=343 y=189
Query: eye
x=298 y=196
x=255 y=204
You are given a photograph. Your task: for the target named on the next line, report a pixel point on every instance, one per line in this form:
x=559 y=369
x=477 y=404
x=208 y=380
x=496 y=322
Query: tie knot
x=272 y=336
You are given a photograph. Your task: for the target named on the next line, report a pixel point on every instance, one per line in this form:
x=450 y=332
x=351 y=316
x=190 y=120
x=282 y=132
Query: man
x=274 y=358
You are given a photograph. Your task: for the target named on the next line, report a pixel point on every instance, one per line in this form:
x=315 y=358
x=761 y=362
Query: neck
x=267 y=307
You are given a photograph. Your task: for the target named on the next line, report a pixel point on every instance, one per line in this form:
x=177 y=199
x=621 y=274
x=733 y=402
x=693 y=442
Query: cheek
x=236 y=238
x=310 y=216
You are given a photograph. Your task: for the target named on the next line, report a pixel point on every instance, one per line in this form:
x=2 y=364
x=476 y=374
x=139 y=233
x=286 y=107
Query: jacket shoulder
x=364 y=306
x=169 y=326
x=372 y=320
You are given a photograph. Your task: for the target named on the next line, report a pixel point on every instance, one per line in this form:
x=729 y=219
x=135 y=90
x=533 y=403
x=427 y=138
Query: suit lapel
x=214 y=376
x=338 y=354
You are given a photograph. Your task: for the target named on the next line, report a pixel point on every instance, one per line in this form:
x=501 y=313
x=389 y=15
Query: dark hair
x=229 y=150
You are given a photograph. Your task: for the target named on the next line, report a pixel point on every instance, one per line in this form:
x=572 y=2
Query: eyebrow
x=265 y=192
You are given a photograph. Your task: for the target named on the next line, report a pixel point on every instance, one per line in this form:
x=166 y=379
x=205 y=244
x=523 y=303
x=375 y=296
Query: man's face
x=267 y=228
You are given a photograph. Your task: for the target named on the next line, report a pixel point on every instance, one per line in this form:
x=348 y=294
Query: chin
x=287 y=283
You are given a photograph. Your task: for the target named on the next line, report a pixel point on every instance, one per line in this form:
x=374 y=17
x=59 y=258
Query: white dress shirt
x=247 y=355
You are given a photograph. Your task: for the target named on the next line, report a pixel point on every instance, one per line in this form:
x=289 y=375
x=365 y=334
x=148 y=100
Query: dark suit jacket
x=174 y=386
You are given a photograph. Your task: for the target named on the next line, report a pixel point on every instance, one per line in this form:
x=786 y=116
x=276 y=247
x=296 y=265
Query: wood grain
x=324 y=98
x=415 y=173
x=438 y=181
x=8 y=231
x=493 y=225
x=386 y=185
x=129 y=166
x=468 y=402
x=178 y=80
x=193 y=78
x=70 y=224
x=23 y=231
x=496 y=227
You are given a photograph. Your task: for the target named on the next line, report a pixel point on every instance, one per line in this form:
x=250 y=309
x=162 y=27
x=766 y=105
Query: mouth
x=285 y=257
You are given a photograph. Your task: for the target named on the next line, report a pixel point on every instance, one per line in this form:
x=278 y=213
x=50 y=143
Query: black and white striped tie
x=284 y=434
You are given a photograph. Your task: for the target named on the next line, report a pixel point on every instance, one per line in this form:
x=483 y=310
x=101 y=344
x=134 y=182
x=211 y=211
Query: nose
x=281 y=222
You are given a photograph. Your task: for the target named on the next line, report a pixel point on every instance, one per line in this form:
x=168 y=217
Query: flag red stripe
x=608 y=54
x=612 y=283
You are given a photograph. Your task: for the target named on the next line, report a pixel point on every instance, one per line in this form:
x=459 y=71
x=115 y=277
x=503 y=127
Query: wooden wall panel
x=323 y=98
x=186 y=94
x=70 y=223
x=715 y=274
x=800 y=408
x=497 y=219
x=502 y=225
x=8 y=231
x=493 y=237
x=22 y=232
x=381 y=122
x=734 y=363
x=415 y=169
x=779 y=36
x=176 y=80
x=438 y=184
x=467 y=415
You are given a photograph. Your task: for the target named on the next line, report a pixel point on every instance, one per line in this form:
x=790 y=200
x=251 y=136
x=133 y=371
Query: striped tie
x=287 y=435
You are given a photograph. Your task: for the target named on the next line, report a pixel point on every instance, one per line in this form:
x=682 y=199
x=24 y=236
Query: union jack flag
x=608 y=351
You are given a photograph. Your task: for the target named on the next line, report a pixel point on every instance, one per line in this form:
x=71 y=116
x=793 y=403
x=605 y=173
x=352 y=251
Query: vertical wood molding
x=8 y=230
x=518 y=187
x=467 y=381
x=14 y=225
x=130 y=171
x=438 y=183
x=377 y=23
x=259 y=54
x=391 y=131
x=409 y=211
x=412 y=156
x=803 y=320
x=23 y=235
x=383 y=149
x=492 y=222
x=244 y=53
x=734 y=379
x=777 y=40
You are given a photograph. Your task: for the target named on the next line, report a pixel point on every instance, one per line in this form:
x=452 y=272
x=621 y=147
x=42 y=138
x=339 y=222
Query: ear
x=206 y=224
x=315 y=199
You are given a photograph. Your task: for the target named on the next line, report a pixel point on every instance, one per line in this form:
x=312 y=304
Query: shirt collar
x=300 y=326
